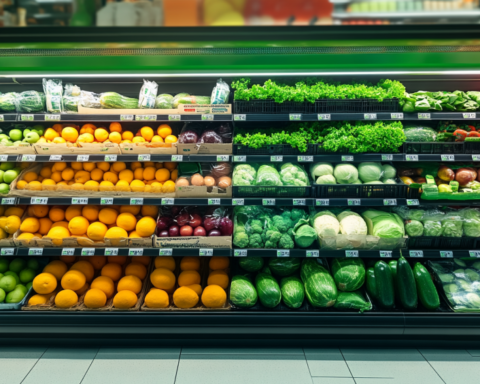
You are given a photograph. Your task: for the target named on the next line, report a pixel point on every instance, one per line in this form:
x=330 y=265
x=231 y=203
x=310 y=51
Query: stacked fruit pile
x=9 y=171
x=89 y=222
x=16 y=278
x=10 y=220
x=103 y=176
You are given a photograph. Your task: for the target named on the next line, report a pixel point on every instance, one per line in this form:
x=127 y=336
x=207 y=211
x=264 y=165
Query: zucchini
x=406 y=287
x=113 y=100
x=385 y=290
x=393 y=268
x=7 y=102
x=371 y=283
x=426 y=289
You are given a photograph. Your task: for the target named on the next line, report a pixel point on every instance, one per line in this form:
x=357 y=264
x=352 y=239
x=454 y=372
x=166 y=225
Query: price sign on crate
x=276 y=158
x=322 y=202
x=29 y=157
x=168 y=201
x=370 y=116
x=88 y=251
x=240 y=159
x=3 y=157
x=313 y=253
x=240 y=253
x=146 y=117
x=111 y=252
x=351 y=253
x=324 y=117
x=240 y=117
x=424 y=116
x=389 y=201
x=411 y=157
x=396 y=116
x=223 y=157
x=144 y=157
x=446 y=254
x=106 y=201
x=297 y=202
x=2 y=118
x=135 y=252
x=305 y=159
x=26 y=117
x=177 y=157
x=52 y=117
x=295 y=117
x=8 y=201
x=476 y=157
x=39 y=200
x=83 y=157
x=347 y=158
x=110 y=157
x=126 y=117
x=165 y=252
x=413 y=202
x=35 y=251
x=470 y=115
x=447 y=157
x=174 y=117
x=415 y=253
x=238 y=202
x=353 y=202
x=7 y=251
x=387 y=157
x=205 y=252
x=79 y=200
x=385 y=253
x=283 y=253
x=68 y=251
x=136 y=201
x=213 y=201
x=268 y=201
x=55 y=158
x=208 y=117
x=474 y=253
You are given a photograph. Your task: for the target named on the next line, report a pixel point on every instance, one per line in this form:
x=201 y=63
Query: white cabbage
x=351 y=223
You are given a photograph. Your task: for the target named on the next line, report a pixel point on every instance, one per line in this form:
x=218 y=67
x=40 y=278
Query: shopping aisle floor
x=38 y=365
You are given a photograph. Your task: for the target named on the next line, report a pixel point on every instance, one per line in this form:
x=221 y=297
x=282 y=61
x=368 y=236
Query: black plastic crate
x=254 y=106
x=295 y=107
x=433 y=148
x=278 y=149
x=413 y=193
x=270 y=191
x=379 y=191
x=440 y=242
x=472 y=147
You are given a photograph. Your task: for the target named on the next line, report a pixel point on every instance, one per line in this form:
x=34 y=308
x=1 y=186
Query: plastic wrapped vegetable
x=30 y=102
x=244 y=174
x=325 y=223
x=471 y=224
x=384 y=224
x=7 y=102
x=345 y=174
x=321 y=169
x=452 y=226
x=53 y=95
x=370 y=171
x=267 y=175
x=351 y=223
x=352 y=300
x=185 y=98
x=225 y=131
x=432 y=228
x=293 y=174
x=220 y=93
x=164 y=101
x=210 y=137
x=414 y=228
x=348 y=274
x=71 y=98
x=418 y=133
x=190 y=133
x=304 y=234
x=113 y=100
x=148 y=93
x=90 y=100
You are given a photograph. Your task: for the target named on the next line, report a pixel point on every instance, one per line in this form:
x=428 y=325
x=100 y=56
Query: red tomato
x=186 y=230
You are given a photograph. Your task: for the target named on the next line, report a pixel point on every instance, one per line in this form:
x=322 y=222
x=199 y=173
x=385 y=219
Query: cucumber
x=460 y=263
x=426 y=289
x=113 y=100
x=371 y=283
x=407 y=289
x=385 y=290
x=393 y=268
x=268 y=290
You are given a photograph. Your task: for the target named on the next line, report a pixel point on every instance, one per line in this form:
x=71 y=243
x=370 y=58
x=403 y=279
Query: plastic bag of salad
x=71 y=98
x=148 y=94
x=220 y=93
x=53 y=95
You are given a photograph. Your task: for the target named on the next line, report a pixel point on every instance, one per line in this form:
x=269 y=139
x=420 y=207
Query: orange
x=88 y=128
x=86 y=138
x=115 y=137
x=150 y=210
x=104 y=166
x=34 y=186
x=90 y=212
x=126 y=221
x=218 y=278
x=138 y=139
x=73 y=211
x=66 y=299
x=57 y=127
x=127 y=135
x=91 y=185
x=96 y=231
x=157 y=139
x=30 y=176
x=190 y=263
x=159 y=165
x=82 y=177
x=70 y=134
x=170 y=165
x=25 y=236
x=214 y=297
x=123 y=186
x=45 y=225
x=196 y=287
x=174 y=175
x=167 y=262
x=57 y=234
x=126 y=175
x=59 y=140
x=118 y=166
x=138 y=174
x=76 y=165
x=168 y=187
x=135 y=165
x=149 y=173
x=96 y=174
x=68 y=174
x=98 y=261
x=56 y=176
x=164 y=130
x=219 y=262
x=95 y=298
x=68 y=259
x=133 y=209
x=137 y=186
x=157 y=298
x=59 y=167
x=110 y=176
x=163 y=278
x=46 y=172
x=89 y=167
x=30 y=225
x=116 y=233
x=136 y=269
x=170 y=139
x=147 y=133
x=125 y=300
x=185 y=298
x=101 y=134
x=115 y=127
x=57 y=268
x=105 y=284
x=112 y=270
x=21 y=184
x=78 y=187
x=162 y=175
x=106 y=186
x=38 y=300
x=44 y=283
x=63 y=224
x=189 y=278
x=56 y=214
x=134 y=235
x=78 y=225
x=145 y=260
x=50 y=134
x=117 y=259
x=146 y=226
x=83 y=290
x=85 y=267
x=73 y=280
x=130 y=283
x=15 y=211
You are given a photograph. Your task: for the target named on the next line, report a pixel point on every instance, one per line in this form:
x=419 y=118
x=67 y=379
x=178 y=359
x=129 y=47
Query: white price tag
x=26 y=117
x=424 y=116
x=240 y=117
x=83 y=157
x=135 y=252
x=305 y=158
x=413 y=202
x=238 y=202
x=177 y=157
x=55 y=158
x=144 y=157
x=240 y=159
x=29 y=157
x=110 y=157
x=8 y=201
x=276 y=158
x=7 y=251
x=88 y=251
x=126 y=117
x=370 y=116
x=415 y=253
x=351 y=253
x=299 y=202
x=474 y=253
x=174 y=117
x=411 y=157
x=223 y=157
x=240 y=252
x=136 y=201
x=3 y=157
x=470 y=115
x=347 y=158
x=35 y=251
x=68 y=251
x=106 y=201
x=168 y=201
x=447 y=157
x=268 y=201
x=385 y=253
x=208 y=117
x=205 y=252
x=324 y=117
x=146 y=117
x=213 y=202
x=353 y=202
x=295 y=117
x=389 y=201
x=313 y=253
x=165 y=252
x=322 y=202
x=387 y=157
x=476 y=157
x=446 y=254
x=79 y=200
x=396 y=115
x=283 y=253
x=52 y=117
x=111 y=252
x=39 y=200
x=2 y=118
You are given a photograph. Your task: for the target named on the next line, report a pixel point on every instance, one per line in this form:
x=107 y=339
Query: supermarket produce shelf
x=300 y=253
x=447 y=14
x=113 y=158
x=42 y=117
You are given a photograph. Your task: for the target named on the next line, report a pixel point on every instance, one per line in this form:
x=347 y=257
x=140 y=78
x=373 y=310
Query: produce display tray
x=278 y=149
x=440 y=242
x=439 y=148
x=266 y=191
x=360 y=190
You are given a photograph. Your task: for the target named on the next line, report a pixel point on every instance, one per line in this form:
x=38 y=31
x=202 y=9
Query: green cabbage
x=267 y=175
x=471 y=225
x=304 y=234
x=326 y=224
x=326 y=179
x=345 y=174
x=389 y=181
x=321 y=169
x=389 y=172
x=384 y=224
x=370 y=171
x=452 y=226
x=414 y=228
x=348 y=274
x=351 y=223
x=432 y=228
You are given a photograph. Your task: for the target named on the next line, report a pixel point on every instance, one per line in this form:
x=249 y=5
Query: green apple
x=26 y=131
x=1 y=176
x=4 y=188
x=3 y=136
x=15 y=296
x=32 y=263
x=8 y=283
x=15 y=134
x=6 y=143
x=2 y=295
x=3 y=265
x=7 y=165
x=31 y=138
x=17 y=264
x=9 y=176
x=14 y=275
x=39 y=129
x=21 y=287
x=26 y=275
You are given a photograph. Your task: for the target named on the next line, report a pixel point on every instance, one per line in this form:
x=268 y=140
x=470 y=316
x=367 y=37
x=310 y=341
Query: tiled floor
x=35 y=365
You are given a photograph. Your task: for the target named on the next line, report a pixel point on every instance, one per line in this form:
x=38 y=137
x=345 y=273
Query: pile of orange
x=148 y=177
x=187 y=287
x=89 y=133
x=88 y=221
x=98 y=278
x=10 y=220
